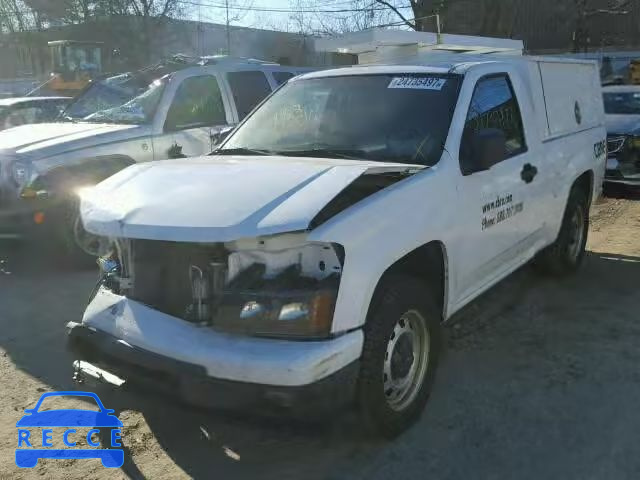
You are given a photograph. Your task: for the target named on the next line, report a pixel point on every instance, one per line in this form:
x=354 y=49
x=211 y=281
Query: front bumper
x=207 y=367
x=191 y=383
x=622 y=172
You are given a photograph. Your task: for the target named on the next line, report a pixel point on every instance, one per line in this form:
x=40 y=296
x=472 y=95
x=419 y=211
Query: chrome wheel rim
x=87 y=242
x=576 y=234
x=406 y=360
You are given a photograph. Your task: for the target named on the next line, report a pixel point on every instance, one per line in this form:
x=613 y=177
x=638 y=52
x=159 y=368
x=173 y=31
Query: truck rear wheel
x=566 y=254
x=400 y=355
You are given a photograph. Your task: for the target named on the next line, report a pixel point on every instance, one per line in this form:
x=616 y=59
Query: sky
x=213 y=11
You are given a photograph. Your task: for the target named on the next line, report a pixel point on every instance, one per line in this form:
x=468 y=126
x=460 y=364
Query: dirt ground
x=541 y=379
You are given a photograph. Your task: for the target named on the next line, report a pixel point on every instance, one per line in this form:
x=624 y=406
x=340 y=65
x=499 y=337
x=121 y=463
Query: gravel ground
x=540 y=380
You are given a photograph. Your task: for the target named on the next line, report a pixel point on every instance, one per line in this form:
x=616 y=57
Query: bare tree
x=423 y=11
x=584 y=11
x=360 y=15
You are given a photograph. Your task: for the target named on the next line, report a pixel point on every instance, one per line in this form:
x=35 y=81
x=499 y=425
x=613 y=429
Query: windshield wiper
x=241 y=151
x=346 y=153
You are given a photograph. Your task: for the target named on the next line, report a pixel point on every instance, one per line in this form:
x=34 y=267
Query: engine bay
x=274 y=286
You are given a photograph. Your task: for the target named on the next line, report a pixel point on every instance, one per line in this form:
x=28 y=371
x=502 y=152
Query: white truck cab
x=119 y=121
x=315 y=255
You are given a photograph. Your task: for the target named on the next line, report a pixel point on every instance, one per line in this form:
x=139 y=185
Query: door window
x=248 y=89
x=494 y=122
x=197 y=103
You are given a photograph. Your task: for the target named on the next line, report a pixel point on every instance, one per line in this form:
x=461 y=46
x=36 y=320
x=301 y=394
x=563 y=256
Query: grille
x=161 y=271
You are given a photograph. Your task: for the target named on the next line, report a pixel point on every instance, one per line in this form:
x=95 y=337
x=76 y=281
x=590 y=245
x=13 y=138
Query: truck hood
x=47 y=139
x=218 y=199
x=623 y=124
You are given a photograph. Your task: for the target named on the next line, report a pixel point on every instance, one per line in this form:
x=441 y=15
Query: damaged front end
x=213 y=277
x=277 y=286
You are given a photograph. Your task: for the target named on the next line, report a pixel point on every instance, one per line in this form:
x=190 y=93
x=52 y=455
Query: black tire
x=397 y=296
x=566 y=254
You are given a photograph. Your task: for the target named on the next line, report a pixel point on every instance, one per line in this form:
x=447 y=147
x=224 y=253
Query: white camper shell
x=315 y=256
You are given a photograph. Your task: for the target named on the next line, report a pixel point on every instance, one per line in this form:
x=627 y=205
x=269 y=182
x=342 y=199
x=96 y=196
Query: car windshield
x=122 y=99
x=402 y=118
x=622 y=102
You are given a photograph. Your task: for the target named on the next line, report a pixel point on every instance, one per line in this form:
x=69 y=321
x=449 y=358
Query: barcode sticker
x=421 y=83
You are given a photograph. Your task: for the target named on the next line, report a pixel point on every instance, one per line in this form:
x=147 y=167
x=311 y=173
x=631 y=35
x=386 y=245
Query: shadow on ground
x=540 y=380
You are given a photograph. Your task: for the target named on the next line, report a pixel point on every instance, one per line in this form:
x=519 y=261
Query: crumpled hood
x=217 y=199
x=623 y=124
x=45 y=139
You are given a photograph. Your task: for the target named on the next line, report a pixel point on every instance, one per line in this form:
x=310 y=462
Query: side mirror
x=484 y=149
x=218 y=136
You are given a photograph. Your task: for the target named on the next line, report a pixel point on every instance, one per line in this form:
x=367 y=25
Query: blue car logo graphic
x=28 y=452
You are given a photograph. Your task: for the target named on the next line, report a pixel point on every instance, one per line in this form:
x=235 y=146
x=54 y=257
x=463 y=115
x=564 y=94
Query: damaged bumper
x=209 y=368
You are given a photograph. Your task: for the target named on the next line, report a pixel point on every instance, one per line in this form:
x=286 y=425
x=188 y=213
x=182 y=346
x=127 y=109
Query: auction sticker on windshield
x=421 y=83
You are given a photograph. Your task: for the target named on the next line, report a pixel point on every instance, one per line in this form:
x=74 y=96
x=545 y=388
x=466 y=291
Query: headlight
x=615 y=144
x=287 y=292
x=297 y=313
x=21 y=173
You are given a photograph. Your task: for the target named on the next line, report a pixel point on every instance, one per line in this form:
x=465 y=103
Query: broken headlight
x=278 y=287
x=288 y=304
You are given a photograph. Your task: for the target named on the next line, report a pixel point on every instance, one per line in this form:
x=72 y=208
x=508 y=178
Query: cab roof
x=438 y=63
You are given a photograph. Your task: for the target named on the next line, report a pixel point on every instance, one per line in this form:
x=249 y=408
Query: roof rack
x=383 y=45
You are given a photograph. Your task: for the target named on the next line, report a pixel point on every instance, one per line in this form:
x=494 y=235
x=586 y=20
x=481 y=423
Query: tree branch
x=397 y=12
x=614 y=10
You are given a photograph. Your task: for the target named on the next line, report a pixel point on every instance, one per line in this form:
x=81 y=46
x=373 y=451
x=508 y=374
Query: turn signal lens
x=38 y=218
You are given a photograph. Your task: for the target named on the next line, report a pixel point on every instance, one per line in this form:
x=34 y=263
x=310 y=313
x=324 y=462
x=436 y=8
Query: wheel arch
x=428 y=263
x=584 y=182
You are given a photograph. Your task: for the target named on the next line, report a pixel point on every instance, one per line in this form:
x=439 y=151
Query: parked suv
x=622 y=108
x=313 y=258
x=116 y=122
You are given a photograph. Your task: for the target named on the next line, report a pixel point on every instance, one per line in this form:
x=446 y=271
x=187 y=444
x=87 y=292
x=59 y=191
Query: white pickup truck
x=314 y=257
x=171 y=110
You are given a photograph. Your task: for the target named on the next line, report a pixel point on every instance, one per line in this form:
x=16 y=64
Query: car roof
x=377 y=70
x=8 y=102
x=240 y=67
x=438 y=63
x=621 y=89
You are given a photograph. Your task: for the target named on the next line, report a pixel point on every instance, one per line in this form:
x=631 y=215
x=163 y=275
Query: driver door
x=499 y=192
x=196 y=112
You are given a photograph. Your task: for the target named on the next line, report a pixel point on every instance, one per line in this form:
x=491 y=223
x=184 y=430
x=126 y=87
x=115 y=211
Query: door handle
x=528 y=173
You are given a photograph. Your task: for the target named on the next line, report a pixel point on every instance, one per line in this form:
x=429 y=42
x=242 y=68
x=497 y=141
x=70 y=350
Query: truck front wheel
x=400 y=355
x=565 y=255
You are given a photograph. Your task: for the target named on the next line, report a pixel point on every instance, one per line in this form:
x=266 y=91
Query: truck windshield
x=402 y=118
x=622 y=103
x=121 y=99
